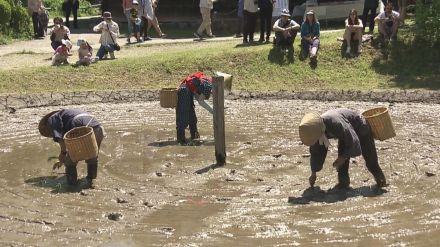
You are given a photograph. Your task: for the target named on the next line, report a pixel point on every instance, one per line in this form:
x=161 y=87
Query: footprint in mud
x=114 y=216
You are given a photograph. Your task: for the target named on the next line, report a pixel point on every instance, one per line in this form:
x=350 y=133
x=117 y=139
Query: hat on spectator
x=107 y=15
x=135 y=2
x=285 y=12
x=43 y=127
x=310 y=12
x=311 y=128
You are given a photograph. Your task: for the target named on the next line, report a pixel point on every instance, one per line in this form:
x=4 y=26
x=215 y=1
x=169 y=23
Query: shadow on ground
x=411 y=63
x=188 y=143
x=57 y=184
x=316 y=194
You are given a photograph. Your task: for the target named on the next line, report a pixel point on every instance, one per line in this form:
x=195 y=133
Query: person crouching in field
x=62 y=53
x=285 y=31
x=354 y=138
x=353 y=31
x=310 y=32
x=58 y=32
x=84 y=53
x=56 y=124
x=109 y=34
x=196 y=85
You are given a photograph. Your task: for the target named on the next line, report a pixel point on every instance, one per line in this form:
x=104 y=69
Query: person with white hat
x=57 y=123
x=354 y=138
x=62 y=53
x=285 y=30
x=84 y=52
x=310 y=32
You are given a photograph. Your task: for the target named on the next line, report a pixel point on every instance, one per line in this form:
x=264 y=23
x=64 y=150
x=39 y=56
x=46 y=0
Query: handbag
x=116 y=46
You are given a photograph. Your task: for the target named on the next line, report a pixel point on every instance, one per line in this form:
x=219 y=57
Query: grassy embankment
x=254 y=68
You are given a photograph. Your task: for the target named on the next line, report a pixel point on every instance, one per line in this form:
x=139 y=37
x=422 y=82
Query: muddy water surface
x=148 y=193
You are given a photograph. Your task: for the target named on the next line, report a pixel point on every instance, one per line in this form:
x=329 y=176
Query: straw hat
x=311 y=128
x=43 y=127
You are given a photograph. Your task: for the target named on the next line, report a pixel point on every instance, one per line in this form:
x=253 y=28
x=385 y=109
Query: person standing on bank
x=109 y=34
x=250 y=10
x=196 y=85
x=71 y=6
x=58 y=123
x=126 y=7
x=205 y=9
x=34 y=8
x=354 y=138
x=370 y=6
x=266 y=9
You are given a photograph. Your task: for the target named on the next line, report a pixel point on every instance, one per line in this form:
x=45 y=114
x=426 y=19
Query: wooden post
x=219 y=119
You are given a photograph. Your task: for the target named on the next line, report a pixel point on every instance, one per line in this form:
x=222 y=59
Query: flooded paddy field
x=148 y=193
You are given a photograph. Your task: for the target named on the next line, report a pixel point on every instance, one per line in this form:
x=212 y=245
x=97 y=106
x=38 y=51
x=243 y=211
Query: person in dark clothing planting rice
x=354 y=138
x=58 y=123
x=196 y=85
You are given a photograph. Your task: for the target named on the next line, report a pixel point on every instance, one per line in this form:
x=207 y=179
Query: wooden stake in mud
x=219 y=119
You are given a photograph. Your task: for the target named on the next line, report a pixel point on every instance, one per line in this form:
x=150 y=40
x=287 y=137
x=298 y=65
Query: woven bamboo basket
x=81 y=143
x=380 y=123
x=168 y=97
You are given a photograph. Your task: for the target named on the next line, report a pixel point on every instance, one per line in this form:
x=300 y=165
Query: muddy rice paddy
x=148 y=193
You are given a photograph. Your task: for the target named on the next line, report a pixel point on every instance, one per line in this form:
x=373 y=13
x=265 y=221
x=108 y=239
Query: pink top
x=62 y=50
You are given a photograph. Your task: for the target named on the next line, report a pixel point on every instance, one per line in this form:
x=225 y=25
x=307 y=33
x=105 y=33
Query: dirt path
x=147 y=183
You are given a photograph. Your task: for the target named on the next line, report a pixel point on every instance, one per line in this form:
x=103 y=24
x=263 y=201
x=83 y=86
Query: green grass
x=254 y=68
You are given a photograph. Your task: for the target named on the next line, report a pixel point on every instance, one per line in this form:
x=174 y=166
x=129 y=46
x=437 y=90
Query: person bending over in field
x=354 y=138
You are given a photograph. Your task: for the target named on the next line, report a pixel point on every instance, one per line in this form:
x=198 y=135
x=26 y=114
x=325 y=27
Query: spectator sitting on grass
x=310 y=32
x=62 y=53
x=109 y=34
x=85 y=52
x=353 y=30
x=285 y=30
x=388 y=22
x=58 y=32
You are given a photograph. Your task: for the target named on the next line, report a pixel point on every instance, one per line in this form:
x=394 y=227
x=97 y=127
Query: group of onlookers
x=286 y=28
x=60 y=42
x=141 y=16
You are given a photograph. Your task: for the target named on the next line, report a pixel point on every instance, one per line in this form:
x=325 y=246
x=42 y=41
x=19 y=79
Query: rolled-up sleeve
x=318 y=153
x=56 y=124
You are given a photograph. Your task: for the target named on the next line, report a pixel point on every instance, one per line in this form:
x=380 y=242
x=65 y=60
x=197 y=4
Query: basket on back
x=380 y=123
x=168 y=97
x=81 y=143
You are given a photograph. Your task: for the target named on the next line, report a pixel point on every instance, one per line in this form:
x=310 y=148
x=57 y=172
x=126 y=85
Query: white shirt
x=251 y=6
x=206 y=4
x=395 y=14
x=106 y=39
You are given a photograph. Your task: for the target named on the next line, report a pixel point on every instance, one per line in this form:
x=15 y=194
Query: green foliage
x=20 y=21
x=427 y=27
x=5 y=14
x=84 y=10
